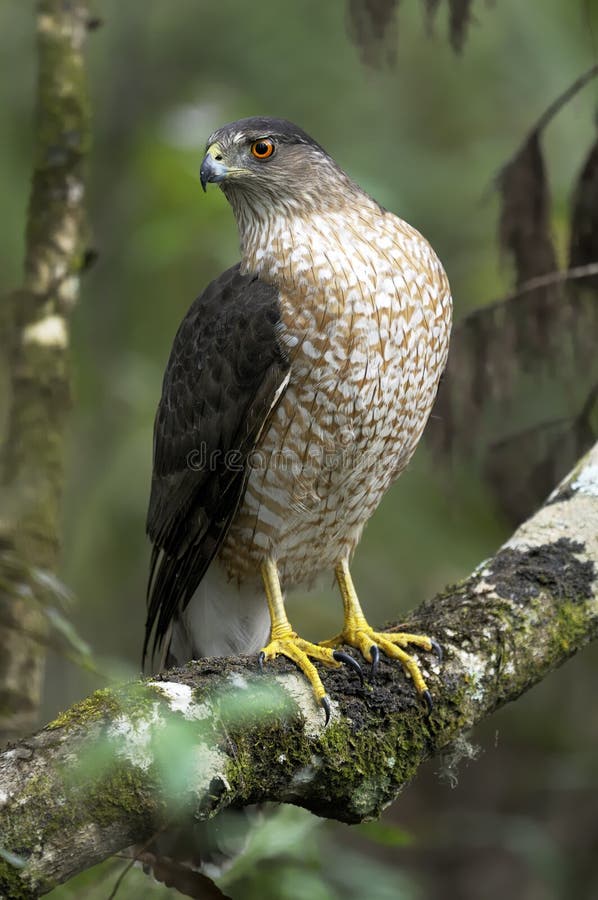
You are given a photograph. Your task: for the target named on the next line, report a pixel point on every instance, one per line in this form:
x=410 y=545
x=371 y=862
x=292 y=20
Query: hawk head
x=263 y=161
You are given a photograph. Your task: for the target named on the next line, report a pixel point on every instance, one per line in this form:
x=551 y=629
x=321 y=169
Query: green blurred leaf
x=284 y=830
x=386 y=834
x=12 y=859
x=65 y=628
x=248 y=701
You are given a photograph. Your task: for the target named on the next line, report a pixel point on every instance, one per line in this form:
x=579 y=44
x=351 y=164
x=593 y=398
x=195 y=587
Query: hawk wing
x=226 y=373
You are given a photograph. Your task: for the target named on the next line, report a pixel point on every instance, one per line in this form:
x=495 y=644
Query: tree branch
x=107 y=773
x=36 y=332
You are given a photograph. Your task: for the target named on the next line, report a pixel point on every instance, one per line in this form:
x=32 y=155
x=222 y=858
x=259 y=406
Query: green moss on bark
x=14 y=884
x=100 y=705
x=123 y=789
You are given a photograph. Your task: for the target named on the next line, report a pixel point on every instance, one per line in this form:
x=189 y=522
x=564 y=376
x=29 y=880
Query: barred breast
x=366 y=311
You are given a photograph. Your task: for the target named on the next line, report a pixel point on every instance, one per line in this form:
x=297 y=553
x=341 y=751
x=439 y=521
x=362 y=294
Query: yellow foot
x=357 y=633
x=369 y=642
x=302 y=652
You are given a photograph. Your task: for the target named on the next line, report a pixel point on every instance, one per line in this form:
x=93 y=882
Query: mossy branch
x=35 y=328
x=124 y=763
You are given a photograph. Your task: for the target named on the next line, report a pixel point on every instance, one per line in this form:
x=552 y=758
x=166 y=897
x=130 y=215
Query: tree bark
x=124 y=763
x=36 y=332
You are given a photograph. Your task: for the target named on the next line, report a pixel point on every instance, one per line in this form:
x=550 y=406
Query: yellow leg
x=285 y=642
x=358 y=633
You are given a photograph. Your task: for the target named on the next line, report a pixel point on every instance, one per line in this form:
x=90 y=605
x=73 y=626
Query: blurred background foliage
x=426 y=136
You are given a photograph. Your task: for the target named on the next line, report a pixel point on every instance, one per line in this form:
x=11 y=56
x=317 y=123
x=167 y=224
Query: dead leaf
x=583 y=245
x=182 y=878
x=372 y=27
x=524 y=229
x=460 y=19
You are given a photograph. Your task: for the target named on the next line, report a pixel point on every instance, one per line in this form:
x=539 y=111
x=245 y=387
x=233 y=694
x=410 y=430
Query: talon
x=375 y=654
x=436 y=649
x=261 y=659
x=395 y=645
x=348 y=660
x=325 y=704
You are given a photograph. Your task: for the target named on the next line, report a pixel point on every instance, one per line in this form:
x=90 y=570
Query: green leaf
x=386 y=835
x=17 y=861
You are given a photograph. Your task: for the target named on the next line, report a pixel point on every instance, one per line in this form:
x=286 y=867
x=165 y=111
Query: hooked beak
x=212 y=169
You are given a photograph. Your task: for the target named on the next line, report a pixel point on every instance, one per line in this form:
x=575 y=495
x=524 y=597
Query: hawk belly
x=366 y=311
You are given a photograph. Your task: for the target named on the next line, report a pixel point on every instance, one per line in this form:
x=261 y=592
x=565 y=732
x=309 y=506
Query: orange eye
x=262 y=149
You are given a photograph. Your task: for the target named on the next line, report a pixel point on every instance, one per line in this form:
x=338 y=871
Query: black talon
x=325 y=702
x=375 y=654
x=261 y=658
x=429 y=702
x=341 y=657
x=436 y=649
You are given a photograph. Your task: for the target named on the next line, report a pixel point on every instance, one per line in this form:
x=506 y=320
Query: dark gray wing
x=226 y=373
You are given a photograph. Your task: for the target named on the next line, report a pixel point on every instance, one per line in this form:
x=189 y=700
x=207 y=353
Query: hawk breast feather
x=226 y=373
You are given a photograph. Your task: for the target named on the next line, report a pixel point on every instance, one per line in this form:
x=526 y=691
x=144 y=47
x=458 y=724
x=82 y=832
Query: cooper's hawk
x=297 y=389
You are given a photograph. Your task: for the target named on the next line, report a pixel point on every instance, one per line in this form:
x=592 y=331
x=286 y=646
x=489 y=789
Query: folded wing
x=226 y=373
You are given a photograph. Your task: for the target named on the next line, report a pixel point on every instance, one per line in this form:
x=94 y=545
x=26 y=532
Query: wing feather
x=226 y=373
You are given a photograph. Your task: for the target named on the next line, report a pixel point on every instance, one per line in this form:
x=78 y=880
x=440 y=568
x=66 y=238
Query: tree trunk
x=36 y=332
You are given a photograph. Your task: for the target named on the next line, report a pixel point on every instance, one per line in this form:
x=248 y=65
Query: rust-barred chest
x=365 y=321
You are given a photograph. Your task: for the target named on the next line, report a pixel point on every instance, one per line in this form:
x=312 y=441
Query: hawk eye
x=262 y=149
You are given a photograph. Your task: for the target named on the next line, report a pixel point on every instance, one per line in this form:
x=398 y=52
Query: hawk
x=298 y=386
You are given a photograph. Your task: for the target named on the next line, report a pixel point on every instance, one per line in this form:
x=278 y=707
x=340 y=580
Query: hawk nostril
x=218 y=157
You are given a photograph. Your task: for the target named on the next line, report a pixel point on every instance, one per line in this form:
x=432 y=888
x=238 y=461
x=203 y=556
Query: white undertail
x=223 y=618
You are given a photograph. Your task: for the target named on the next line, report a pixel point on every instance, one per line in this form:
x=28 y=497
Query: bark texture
x=36 y=333
x=120 y=765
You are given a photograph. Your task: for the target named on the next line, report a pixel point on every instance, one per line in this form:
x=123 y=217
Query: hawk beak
x=212 y=169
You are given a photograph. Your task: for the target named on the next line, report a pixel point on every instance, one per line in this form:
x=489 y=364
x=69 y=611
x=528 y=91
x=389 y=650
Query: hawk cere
x=297 y=389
